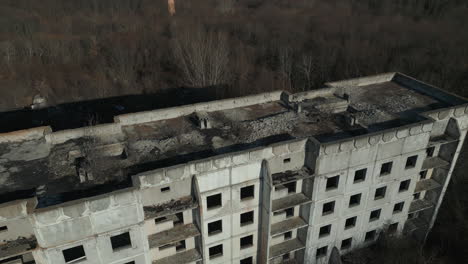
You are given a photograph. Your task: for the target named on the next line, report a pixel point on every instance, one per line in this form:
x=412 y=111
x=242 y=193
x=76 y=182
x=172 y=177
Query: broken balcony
x=434 y=162
x=188 y=256
x=440 y=140
x=291 y=176
x=287 y=225
x=419 y=205
x=426 y=185
x=286 y=247
x=178 y=233
x=17 y=247
x=170 y=208
x=290 y=201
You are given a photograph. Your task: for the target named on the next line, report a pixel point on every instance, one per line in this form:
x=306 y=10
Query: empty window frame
x=247 y=192
x=3 y=228
x=370 y=235
x=423 y=175
x=121 y=241
x=216 y=251
x=404 y=186
x=324 y=231
x=165 y=189
x=397 y=208
x=246 y=242
x=328 y=208
x=291 y=187
x=321 y=252
x=411 y=162
x=346 y=243
x=247 y=218
x=386 y=168
x=287 y=160
x=289 y=212
x=360 y=175
x=392 y=228
x=74 y=254
x=350 y=222
x=213 y=201
x=430 y=151
x=180 y=246
x=416 y=196
x=355 y=200
x=160 y=220
x=332 y=183
x=179 y=219
x=375 y=215
x=380 y=193
x=131 y=262
x=248 y=260
x=287 y=235
x=215 y=227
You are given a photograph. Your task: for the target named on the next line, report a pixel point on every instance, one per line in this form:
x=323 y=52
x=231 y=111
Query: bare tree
x=285 y=67
x=202 y=57
x=307 y=68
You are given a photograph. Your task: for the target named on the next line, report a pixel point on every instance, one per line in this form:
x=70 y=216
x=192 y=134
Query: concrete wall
x=77 y=220
x=91 y=223
x=343 y=158
x=168 y=113
x=103 y=132
x=14 y=216
x=24 y=135
x=379 y=78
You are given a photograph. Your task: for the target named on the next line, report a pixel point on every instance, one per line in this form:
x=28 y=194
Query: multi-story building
x=269 y=178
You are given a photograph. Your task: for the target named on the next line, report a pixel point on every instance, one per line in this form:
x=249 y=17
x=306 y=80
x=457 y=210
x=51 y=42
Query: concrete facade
x=351 y=167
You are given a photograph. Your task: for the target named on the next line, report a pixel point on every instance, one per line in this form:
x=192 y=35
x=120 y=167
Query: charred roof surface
x=61 y=171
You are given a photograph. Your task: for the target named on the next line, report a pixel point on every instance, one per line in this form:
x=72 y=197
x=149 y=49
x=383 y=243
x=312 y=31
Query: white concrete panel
x=108 y=255
x=416 y=142
x=363 y=156
x=317 y=216
x=219 y=211
x=342 y=231
x=213 y=180
x=315 y=238
x=389 y=150
x=237 y=203
x=320 y=191
x=55 y=255
x=225 y=258
x=250 y=250
x=379 y=178
x=409 y=171
x=351 y=185
x=245 y=172
x=281 y=163
x=216 y=237
x=115 y=218
x=238 y=229
x=372 y=202
x=347 y=210
x=332 y=162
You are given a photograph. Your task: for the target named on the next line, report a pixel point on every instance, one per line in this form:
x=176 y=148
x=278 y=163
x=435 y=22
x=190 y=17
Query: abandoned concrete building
x=269 y=178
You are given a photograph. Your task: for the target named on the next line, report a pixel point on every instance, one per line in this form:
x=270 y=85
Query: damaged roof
x=74 y=168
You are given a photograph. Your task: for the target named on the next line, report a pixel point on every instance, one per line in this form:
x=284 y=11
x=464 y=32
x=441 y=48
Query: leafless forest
x=68 y=50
